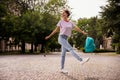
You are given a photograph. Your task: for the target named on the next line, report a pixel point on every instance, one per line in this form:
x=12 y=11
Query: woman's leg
x=66 y=45
x=63 y=57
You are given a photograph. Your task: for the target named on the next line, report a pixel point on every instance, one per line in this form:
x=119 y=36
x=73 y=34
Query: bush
x=99 y=50
x=103 y=50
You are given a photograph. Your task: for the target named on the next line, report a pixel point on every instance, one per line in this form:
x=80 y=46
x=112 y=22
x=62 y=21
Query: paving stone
x=38 y=67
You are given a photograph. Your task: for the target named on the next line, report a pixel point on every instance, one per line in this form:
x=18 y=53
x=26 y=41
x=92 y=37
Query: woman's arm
x=79 y=30
x=53 y=32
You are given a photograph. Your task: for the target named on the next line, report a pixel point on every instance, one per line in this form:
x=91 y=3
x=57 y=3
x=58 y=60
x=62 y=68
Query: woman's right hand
x=53 y=32
x=47 y=37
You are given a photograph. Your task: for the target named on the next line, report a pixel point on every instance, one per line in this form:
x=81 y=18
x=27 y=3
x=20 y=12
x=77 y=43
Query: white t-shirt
x=65 y=27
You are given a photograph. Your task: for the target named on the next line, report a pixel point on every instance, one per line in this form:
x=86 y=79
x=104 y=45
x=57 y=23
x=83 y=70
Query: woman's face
x=64 y=14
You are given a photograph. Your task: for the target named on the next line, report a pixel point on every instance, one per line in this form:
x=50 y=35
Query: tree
x=38 y=21
x=111 y=15
x=79 y=39
x=95 y=30
x=29 y=21
x=10 y=10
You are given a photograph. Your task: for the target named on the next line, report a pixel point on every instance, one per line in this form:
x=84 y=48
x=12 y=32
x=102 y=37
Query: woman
x=65 y=26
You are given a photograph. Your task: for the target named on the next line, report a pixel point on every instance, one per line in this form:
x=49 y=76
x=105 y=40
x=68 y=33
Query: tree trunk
x=31 y=48
x=23 y=47
x=118 y=49
x=35 y=47
x=42 y=48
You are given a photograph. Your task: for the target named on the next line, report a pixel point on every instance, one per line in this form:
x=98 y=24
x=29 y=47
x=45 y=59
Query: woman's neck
x=66 y=19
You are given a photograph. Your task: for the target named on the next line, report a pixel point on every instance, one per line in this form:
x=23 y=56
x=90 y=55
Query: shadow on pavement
x=91 y=78
x=69 y=76
x=86 y=78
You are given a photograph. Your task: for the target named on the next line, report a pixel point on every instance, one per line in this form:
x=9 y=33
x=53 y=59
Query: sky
x=85 y=8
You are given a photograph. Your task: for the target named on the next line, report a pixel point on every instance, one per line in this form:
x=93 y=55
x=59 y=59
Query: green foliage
x=93 y=27
x=100 y=50
x=78 y=38
x=33 y=27
x=29 y=21
x=95 y=31
x=103 y=50
x=111 y=15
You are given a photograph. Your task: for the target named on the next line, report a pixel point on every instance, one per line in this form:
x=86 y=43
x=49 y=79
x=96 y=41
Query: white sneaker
x=84 y=60
x=64 y=71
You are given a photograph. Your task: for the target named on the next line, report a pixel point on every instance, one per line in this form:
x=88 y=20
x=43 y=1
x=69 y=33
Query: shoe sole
x=64 y=72
x=85 y=61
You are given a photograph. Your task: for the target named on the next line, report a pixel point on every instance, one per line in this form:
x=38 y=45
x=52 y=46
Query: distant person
x=65 y=27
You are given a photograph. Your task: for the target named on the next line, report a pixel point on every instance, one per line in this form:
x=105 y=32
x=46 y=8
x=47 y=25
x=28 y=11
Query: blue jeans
x=62 y=39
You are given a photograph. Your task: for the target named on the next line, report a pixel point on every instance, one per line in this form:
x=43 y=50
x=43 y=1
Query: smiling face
x=65 y=14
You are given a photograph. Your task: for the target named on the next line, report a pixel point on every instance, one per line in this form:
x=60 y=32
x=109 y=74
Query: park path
x=38 y=67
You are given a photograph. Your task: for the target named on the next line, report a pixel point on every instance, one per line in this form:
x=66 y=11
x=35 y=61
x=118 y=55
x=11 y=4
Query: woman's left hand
x=85 y=33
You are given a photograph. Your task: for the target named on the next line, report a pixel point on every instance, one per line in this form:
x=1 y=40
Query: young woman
x=65 y=26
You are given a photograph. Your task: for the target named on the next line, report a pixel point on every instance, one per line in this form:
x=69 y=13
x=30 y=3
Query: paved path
x=38 y=67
